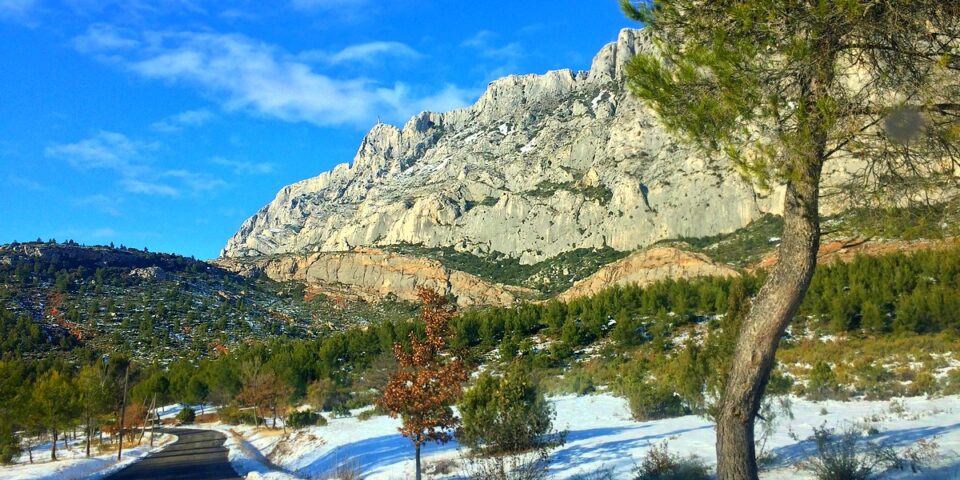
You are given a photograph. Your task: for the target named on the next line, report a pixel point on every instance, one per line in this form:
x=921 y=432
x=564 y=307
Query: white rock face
x=540 y=165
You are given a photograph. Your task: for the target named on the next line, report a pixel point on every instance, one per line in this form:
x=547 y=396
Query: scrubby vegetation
x=660 y=346
x=186 y=415
x=660 y=464
x=549 y=277
x=507 y=414
x=306 y=418
x=59 y=297
x=742 y=247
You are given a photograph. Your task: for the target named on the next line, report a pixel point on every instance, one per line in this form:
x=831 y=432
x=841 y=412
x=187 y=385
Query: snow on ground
x=171 y=411
x=72 y=463
x=601 y=435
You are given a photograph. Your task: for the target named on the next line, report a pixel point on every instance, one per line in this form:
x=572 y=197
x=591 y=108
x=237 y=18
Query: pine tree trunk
x=418 y=462
x=770 y=313
x=88 y=432
x=53 y=451
x=781 y=295
x=123 y=411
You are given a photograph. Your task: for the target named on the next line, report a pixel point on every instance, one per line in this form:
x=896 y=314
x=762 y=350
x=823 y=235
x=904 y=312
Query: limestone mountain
x=539 y=166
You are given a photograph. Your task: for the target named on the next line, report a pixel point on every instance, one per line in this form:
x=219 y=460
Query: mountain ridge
x=538 y=166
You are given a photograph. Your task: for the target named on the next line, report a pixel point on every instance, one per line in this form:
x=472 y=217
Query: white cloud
x=502 y=59
x=363 y=52
x=105 y=232
x=16 y=9
x=483 y=42
x=107 y=150
x=133 y=9
x=189 y=118
x=27 y=183
x=106 y=204
x=244 y=167
x=450 y=98
x=134 y=185
x=198 y=182
x=252 y=76
x=129 y=159
x=313 y=5
x=103 y=38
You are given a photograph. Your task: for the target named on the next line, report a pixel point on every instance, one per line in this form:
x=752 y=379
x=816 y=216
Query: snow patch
x=602 y=434
x=73 y=463
x=599 y=98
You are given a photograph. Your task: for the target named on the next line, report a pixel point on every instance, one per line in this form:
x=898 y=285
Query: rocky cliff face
x=540 y=165
x=646 y=267
x=372 y=275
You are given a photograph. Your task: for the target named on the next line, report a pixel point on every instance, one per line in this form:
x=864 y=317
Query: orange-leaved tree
x=429 y=379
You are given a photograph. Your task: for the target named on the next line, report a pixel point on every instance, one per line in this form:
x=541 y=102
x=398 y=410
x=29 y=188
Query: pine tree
x=872 y=319
x=781 y=88
x=55 y=401
x=93 y=398
x=429 y=380
x=505 y=415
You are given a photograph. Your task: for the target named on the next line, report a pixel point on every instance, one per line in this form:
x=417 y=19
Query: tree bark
x=123 y=411
x=781 y=295
x=770 y=313
x=418 y=462
x=53 y=451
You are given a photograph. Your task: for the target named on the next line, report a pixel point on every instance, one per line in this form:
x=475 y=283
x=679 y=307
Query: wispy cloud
x=134 y=10
x=244 y=167
x=314 y=5
x=19 y=10
x=189 y=118
x=134 y=185
x=484 y=43
x=18 y=181
x=505 y=56
x=199 y=182
x=104 y=38
x=362 y=53
x=104 y=232
x=104 y=203
x=129 y=158
x=106 y=150
x=245 y=74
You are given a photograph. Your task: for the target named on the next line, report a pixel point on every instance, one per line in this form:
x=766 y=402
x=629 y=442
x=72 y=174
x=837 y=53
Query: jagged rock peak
x=539 y=165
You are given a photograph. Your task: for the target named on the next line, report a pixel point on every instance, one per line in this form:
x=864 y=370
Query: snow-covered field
x=72 y=462
x=601 y=436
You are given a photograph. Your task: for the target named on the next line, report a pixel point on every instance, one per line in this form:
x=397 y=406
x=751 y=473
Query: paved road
x=195 y=454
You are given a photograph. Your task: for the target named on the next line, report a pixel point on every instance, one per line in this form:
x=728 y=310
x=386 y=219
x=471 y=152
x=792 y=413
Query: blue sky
x=164 y=124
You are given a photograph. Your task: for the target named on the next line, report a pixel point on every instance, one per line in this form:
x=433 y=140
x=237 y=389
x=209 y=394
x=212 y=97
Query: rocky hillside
x=540 y=165
x=646 y=267
x=58 y=297
x=372 y=275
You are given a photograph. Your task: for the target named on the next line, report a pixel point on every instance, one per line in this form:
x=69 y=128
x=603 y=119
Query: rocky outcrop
x=374 y=275
x=540 y=165
x=646 y=267
x=846 y=250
